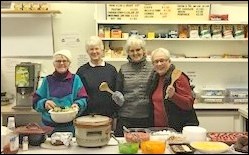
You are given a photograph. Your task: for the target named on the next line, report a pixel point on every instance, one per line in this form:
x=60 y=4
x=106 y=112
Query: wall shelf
x=158 y=22
x=178 y=39
x=30 y=12
x=190 y=60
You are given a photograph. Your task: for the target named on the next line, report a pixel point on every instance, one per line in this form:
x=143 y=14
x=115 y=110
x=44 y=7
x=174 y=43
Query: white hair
x=134 y=40
x=94 y=41
x=163 y=50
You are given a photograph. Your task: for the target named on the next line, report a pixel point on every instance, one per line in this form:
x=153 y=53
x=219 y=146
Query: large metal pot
x=92 y=130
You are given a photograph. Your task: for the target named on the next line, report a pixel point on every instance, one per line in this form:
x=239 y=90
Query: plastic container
x=237 y=95
x=25 y=143
x=128 y=148
x=137 y=135
x=12 y=145
x=116 y=32
x=153 y=147
x=213 y=92
x=213 y=99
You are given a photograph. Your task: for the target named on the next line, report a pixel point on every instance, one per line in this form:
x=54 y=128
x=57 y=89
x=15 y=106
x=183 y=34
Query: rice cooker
x=92 y=130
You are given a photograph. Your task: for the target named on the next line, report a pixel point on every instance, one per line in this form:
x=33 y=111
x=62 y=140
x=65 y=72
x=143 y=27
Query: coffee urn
x=27 y=75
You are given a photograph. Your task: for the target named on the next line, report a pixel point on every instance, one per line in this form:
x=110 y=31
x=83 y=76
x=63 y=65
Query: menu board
x=169 y=12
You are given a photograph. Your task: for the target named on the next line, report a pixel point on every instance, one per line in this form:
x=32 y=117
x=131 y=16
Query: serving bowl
x=128 y=148
x=153 y=147
x=63 y=116
x=137 y=135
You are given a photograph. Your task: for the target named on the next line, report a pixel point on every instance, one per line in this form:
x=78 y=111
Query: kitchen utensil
x=114 y=137
x=64 y=116
x=92 y=130
x=104 y=87
x=174 y=76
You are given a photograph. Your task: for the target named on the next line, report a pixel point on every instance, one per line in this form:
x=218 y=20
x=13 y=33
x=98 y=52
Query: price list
x=158 y=11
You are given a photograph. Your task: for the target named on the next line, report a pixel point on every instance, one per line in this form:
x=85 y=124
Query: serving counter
x=111 y=148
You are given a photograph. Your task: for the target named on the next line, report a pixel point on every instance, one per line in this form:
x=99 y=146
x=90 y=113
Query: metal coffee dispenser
x=26 y=82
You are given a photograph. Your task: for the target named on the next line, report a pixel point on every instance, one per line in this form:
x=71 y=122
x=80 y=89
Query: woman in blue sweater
x=62 y=88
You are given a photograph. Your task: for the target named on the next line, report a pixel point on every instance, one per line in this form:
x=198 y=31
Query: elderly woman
x=176 y=110
x=93 y=73
x=62 y=88
x=132 y=82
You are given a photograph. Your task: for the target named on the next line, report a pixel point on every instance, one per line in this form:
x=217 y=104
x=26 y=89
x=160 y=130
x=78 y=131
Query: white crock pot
x=194 y=133
x=92 y=130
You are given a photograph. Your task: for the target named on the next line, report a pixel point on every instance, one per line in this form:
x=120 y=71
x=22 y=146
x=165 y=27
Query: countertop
x=224 y=106
x=7 y=109
x=242 y=108
x=111 y=148
x=244 y=112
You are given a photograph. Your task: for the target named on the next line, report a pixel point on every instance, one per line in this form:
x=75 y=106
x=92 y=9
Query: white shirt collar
x=94 y=65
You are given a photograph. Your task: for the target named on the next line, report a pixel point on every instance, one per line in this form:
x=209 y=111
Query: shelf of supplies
x=30 y=12
x=190 y=60
x=178 y=39
x=167 y=22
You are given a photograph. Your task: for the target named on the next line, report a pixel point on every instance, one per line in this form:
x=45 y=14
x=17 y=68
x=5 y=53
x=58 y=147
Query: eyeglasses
x=61 y=61
x=135 y=50
x=159 y=60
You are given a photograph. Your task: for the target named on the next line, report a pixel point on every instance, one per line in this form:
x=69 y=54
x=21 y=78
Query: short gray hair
x=134 y=39
x=165 y=51
x=94 y=41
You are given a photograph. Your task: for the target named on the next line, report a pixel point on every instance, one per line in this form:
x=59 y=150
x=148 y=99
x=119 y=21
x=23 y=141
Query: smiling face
x=160 y=62
x=95 y=53
x=136 y=52
x=61 y=63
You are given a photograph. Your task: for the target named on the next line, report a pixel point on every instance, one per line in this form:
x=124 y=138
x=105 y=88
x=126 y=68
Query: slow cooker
x=92 y=130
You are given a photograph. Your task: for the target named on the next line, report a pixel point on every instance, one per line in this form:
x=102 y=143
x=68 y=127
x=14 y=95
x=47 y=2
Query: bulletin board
x=26 y=36
x=169 y=12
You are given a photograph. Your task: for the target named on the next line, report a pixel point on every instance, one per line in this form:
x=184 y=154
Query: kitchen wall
x=78 y=20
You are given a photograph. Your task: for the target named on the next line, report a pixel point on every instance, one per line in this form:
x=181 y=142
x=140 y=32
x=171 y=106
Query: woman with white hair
x=93 y=73
x=132 y=82
x=176 y=110
x=60 y=89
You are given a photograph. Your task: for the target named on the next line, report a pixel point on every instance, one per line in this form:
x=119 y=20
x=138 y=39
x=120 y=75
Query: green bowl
x=128 y=148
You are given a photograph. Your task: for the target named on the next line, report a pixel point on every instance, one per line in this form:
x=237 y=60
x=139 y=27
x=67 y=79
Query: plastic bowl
x=63 y=117
x=137 y=135
x=128 y=148
x=153 y=147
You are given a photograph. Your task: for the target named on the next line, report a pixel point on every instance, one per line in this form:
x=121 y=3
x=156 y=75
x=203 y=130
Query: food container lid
x=93 y=120
x=34 y=128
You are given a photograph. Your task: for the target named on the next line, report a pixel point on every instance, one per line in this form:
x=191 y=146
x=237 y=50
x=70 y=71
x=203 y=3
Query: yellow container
x=151 y=35
x=153 y=147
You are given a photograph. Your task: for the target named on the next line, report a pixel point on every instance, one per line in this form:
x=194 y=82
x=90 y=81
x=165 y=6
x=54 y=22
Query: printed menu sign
x=194 y=12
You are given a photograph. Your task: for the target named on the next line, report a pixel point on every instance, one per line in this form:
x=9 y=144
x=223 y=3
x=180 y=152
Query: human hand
x=170 y=91
x=49 y=104
x=118 y=98
x=75 y=106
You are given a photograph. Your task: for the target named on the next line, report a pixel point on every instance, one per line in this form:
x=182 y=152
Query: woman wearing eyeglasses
x=60 y=89
x=176 y=109
x=132 y=81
